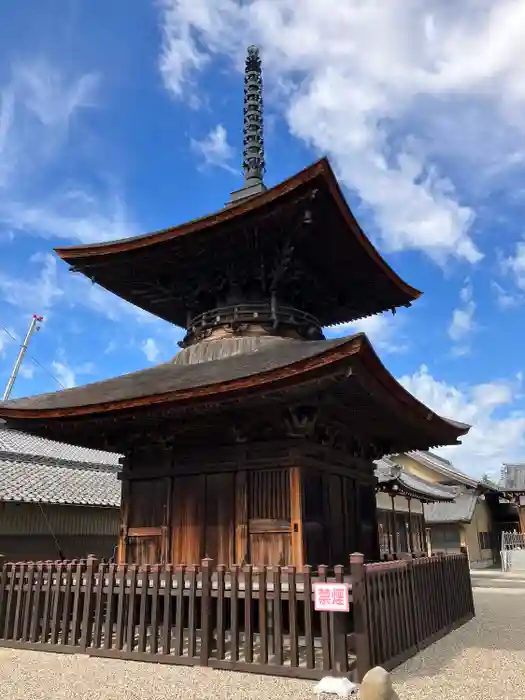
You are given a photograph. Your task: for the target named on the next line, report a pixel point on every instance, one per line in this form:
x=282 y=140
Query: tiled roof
x=387 y=471
x=442 y=466
x=461 y=511
x=171 y=376
x=17 y=442
x=32 y=482
x=33 y=469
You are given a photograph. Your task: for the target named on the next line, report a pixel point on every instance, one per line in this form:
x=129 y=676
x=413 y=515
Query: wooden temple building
x=256 y=442
x=401 y=499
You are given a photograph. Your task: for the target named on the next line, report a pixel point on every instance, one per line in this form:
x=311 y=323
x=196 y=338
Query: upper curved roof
x=274 y=367
x=159 y=262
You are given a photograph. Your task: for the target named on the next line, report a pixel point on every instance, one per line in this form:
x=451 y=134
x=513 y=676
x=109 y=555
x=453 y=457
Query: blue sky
x=124 y=117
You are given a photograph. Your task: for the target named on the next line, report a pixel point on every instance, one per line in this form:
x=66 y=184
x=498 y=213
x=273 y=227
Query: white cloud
x=462 y=324
x=37 y=108
x=5 y=341
x=515 y=265
x=64 y=374
x=27 y=371
x=151 y=350
x=33 y=294
x=504 y=298
x=357 y=77
x=71 y=215
x=383 y=330
x=214 y=149
x=494 y=437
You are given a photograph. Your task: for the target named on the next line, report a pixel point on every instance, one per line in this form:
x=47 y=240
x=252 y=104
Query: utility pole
x=33 y=326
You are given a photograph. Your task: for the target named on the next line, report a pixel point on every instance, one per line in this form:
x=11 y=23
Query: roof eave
x=371 y=373
x=321 y=168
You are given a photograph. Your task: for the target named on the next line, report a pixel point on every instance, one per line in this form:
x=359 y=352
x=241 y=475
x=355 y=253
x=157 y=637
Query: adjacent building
x=57 y=501
x=471 y=520
x=401 y=498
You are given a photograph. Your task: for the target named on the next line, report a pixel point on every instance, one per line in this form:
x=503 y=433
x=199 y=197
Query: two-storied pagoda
x=256 y=442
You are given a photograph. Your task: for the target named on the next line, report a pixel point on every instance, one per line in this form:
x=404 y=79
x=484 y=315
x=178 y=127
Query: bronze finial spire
x=253 y=155
x=253 y=163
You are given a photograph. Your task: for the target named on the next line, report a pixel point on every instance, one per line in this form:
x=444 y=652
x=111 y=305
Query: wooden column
x=424 y=530
x=242 y=554
x=124 y=520
x=394 y=533
x=296 y=511
x=410 y=534
x=168 y=522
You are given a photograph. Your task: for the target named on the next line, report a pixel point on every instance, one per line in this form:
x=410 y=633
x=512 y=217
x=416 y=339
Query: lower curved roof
x=275 y=365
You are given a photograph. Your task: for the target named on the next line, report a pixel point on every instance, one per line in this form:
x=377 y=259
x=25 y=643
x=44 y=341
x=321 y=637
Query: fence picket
x=149 y=613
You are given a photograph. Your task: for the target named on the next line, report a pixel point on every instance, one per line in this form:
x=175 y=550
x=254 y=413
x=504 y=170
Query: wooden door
x=269 y=517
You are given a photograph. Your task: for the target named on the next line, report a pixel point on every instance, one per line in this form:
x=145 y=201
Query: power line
x=33 y=358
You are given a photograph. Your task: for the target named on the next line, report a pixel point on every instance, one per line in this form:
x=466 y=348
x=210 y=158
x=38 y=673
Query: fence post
x=87 y=621
x=464 y=551
x=206 y=612
x=339 y=626
x=360 y=608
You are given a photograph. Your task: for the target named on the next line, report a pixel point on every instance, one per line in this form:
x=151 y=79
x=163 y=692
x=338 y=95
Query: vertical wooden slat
x=75 y=615
x=55 y=619
x=34 y=630
x=263 y=622
x=99 y=605
x=206 y=612
x=130 y=630
x=122 y=573
x=234 y=623
x=292 y=616
x=66 y=607
x=373 y=622
x=165 y=635
x=308 y=617
x=154 y=598
x=48 y=592
x=108 y=626
x=248 y=614
x=180 y=579
x=28 y=603
x=277 y=616
x=221 y=604
x=143 y=622
x=11 y=570
x=338 y=624
x=192 y=632
x=17 y=627
x=3 y=593
x=325 y=628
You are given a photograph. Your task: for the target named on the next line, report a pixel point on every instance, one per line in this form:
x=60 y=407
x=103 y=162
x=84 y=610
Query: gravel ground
x=484 y=660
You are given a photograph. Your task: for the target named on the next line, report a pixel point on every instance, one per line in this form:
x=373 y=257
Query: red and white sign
x=331 y=597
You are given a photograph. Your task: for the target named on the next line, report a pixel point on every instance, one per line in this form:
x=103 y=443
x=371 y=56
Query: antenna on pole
x=33 y=326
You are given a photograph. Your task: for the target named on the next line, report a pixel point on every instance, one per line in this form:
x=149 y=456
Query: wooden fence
x=413 y=602
x=251 y=619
